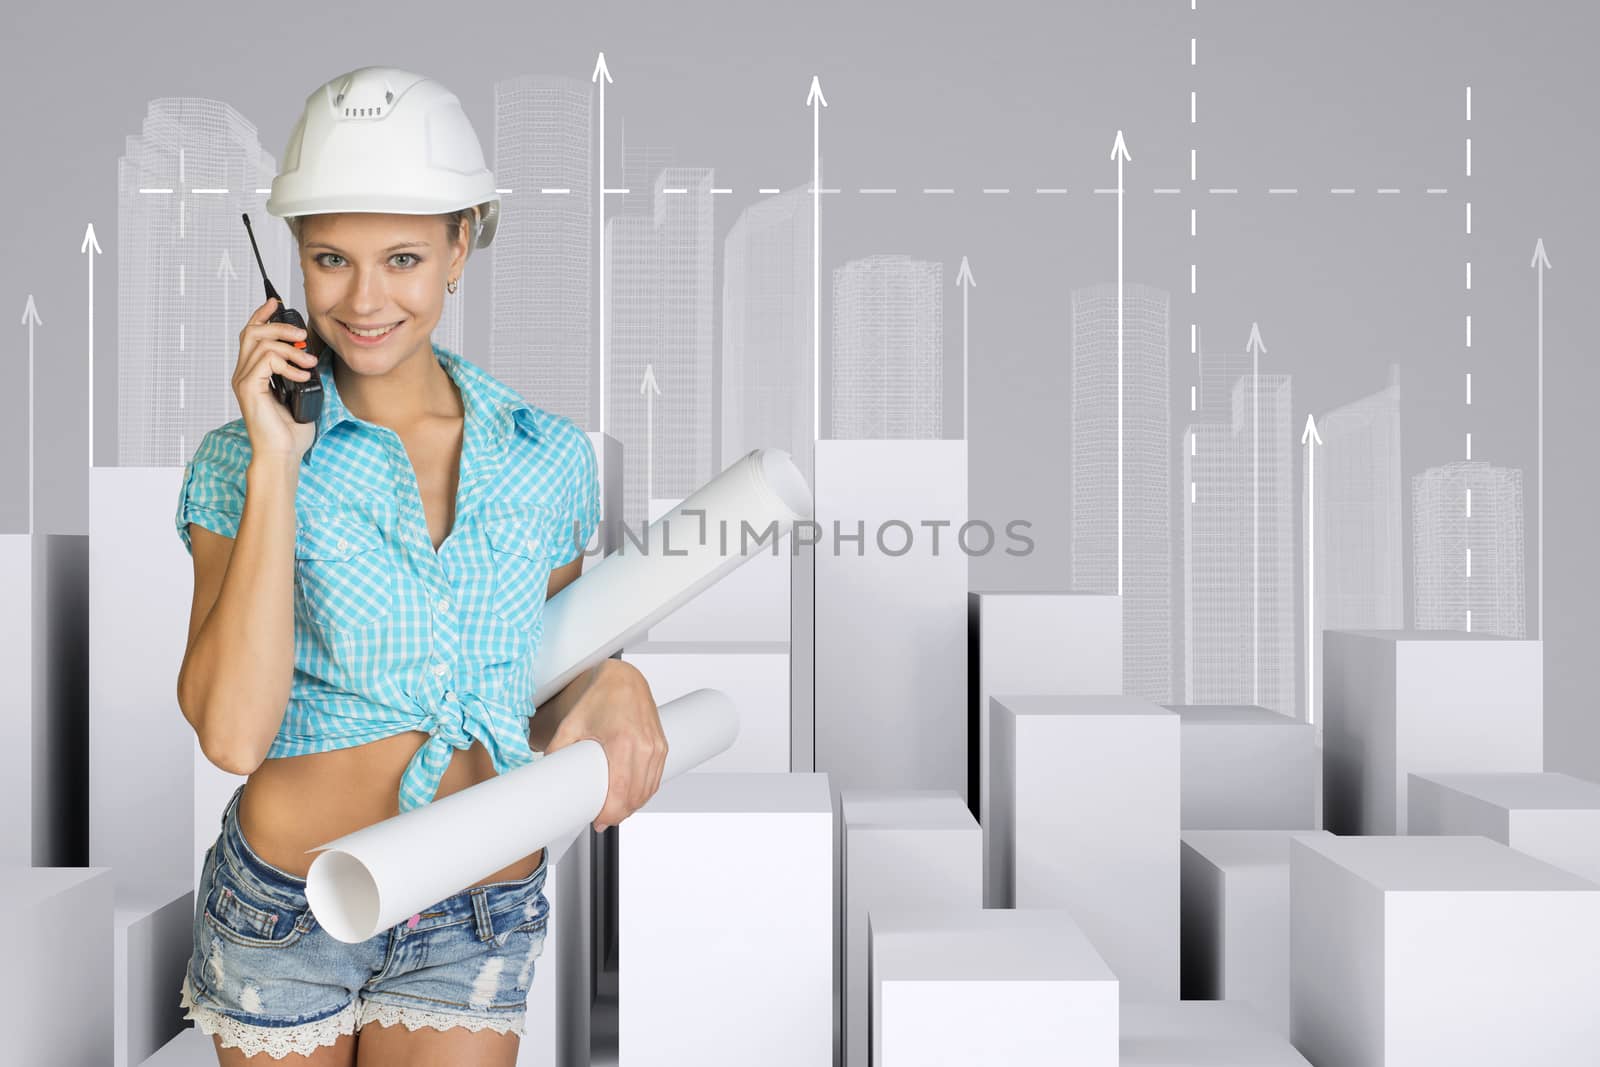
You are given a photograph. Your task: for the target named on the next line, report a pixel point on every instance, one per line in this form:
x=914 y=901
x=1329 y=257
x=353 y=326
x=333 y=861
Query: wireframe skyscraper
x=186 y=277
x=1357 y=520
x=1239 y=555
x=1467 y=549
x=682 y=419
x=1146 y=472
x=540 y=343
x=766 y=331
x=888 y=349
x=659 y=310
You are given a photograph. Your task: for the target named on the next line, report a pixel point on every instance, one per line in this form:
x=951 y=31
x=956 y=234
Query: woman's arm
x=235 y=680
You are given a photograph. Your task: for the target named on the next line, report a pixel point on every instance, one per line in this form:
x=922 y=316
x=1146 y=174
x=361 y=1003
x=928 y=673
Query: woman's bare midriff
x=296 y=803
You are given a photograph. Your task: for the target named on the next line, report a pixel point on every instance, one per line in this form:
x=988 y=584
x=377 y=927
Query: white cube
x=900 y=848
x=1086 y=818
x=1248 y=768
x=141 y=588
x=1398 y=701
x=1201 y=1033
x=17 y=708
x=1062 y=642
x=1236 y=919
x=1551 y=816
x=987 y=988
x=755 y=675
x=890 y=612
x=1427 y=951
x=725 y=923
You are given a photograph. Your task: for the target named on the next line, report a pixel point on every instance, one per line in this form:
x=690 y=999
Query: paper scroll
x=377 y=876
x=370 y=879
x=633 y=588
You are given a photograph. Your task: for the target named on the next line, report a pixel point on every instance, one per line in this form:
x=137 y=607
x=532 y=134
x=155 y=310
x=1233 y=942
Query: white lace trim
x=276 y=1042
x=385 y=1014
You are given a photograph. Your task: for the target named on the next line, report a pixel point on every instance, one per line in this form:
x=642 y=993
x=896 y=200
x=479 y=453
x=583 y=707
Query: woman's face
x=375 y=269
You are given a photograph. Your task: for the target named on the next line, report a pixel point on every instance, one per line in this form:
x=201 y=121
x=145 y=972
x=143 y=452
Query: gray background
x=1302 y=94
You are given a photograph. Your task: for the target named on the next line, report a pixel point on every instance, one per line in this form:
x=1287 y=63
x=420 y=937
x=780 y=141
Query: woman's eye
x=334 y=255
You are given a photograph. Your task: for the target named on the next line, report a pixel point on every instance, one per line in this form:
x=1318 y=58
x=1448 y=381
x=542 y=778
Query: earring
x=451 y=285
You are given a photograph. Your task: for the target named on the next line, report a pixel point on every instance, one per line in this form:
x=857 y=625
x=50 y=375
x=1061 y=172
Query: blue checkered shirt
x=390 y=636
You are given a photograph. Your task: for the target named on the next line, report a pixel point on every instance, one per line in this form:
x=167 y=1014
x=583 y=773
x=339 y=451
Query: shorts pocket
x=538 y=922
x=518 y=545
x=247 y=917
x=342 y=575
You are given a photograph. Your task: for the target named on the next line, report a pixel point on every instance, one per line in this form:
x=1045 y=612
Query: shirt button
x=343 y=544
x=444 y=603
x=439 y=669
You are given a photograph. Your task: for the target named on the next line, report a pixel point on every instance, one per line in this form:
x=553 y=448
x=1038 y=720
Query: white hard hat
x=385 y=140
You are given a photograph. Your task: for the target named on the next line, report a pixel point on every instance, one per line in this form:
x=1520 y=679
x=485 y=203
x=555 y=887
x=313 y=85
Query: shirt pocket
x=342 y=574
x=519 y=549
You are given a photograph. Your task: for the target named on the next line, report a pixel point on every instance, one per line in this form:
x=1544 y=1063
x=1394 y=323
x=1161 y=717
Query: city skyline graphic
x=1197 y=518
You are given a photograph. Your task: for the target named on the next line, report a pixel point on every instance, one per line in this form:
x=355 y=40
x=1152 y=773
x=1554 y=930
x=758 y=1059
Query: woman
x=368 y=601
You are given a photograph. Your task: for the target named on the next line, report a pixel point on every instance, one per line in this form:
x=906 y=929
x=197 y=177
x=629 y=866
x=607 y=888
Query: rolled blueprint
x=372 y=878
x=683 y=552
x=385 y=872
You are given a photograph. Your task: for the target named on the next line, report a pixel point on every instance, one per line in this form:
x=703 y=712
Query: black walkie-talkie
x=303 y=399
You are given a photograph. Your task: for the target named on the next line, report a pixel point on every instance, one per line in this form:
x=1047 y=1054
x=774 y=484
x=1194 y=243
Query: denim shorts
x=265 y=975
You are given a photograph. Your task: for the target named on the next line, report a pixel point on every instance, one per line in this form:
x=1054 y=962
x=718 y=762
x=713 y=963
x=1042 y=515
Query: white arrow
x=1543 y=264
x=89 y=243
x=1119 y=152
x=1310 y=438
x=1255 y=348
x=30 y=319
x=815 y=102
x=600 y=76
x=965 y=280
x=648 y=386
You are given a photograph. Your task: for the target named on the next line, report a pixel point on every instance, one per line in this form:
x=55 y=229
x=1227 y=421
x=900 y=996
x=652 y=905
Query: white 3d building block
x=1086 y=819
x=1236 y=919
x=1397 y=701
x=890 y=612
x=1032 y=643
x=725 y=923
x=1426 y=951
x=1248 y=768
x=1201 y=1033
x=900 y=848
x=1550 y=816
x=987 y=988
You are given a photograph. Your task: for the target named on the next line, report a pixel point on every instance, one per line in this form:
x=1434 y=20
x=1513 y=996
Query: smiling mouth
x=366 y=335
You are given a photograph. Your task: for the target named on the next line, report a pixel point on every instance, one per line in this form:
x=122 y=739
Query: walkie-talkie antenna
x=272 y=294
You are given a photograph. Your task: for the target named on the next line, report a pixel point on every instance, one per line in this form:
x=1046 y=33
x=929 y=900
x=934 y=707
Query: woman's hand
x=617 y=710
